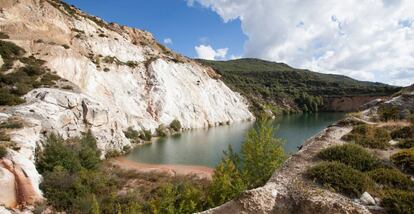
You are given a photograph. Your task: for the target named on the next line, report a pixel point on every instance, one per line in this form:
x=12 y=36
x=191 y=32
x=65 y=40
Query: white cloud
x=365 y=39
x=168 y=41
x=207 y=52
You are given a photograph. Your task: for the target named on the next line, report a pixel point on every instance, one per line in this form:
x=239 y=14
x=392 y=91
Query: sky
x=369 y=40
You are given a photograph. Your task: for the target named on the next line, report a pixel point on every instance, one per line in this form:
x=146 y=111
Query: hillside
x=277 y=86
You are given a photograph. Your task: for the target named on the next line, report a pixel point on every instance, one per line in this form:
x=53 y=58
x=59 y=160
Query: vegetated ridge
x=276 y=87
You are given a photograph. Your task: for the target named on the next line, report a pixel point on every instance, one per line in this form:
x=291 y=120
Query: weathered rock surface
x=121 y=76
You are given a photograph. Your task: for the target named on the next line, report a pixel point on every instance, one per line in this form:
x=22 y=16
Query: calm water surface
x=205 y=146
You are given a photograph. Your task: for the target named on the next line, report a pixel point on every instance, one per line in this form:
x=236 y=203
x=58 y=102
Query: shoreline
x=201 y=172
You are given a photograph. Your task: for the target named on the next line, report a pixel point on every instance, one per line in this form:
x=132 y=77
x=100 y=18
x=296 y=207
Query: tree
x=262 y=154
x=89 y=154
x=227 y=183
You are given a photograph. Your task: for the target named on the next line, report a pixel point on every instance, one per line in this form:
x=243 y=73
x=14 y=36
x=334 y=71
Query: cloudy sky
x=365 y=39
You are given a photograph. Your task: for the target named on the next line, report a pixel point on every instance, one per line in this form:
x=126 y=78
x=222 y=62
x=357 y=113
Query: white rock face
x=122 y=77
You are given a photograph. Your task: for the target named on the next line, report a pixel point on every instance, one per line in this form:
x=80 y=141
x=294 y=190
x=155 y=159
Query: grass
x=340 y=178
x=403 y=133
x=3 y=152
x=369 y=136
x=11 y=124
x=352 y=155
x=406 y=144
x=404 y=160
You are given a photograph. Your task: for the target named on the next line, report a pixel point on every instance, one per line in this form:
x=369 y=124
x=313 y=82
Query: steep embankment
x=67 y=72
x=271 y=86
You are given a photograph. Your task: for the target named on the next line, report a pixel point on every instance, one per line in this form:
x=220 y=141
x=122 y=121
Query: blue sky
x=187 y=26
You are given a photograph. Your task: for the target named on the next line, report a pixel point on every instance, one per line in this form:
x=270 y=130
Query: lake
x=205 y=147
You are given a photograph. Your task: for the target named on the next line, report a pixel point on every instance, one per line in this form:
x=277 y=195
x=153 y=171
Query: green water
x=204 y=146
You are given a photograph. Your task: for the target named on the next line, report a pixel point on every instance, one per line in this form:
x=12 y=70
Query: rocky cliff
x=109 y=78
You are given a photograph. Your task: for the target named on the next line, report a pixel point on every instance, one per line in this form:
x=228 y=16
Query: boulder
x=367 y=199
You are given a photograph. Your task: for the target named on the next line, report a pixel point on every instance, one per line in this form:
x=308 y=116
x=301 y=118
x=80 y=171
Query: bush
x=352 y=155
x=404 y=160
x=4 y=136
x=406 y=144
x=398 y=202
x=403 y=133
x=341 y=178
x=132 y=134
x=387 y=113
x=3 y=152
x=369 y=136
x=112 y=154
x=57 y=154
x=6 y=98
x=11 y=124
x=161 y=131
x=391 y=178
x=176 y=125
x=146 y=135
x=227 y=183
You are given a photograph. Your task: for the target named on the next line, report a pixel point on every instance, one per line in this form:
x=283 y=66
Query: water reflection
x=205 y=146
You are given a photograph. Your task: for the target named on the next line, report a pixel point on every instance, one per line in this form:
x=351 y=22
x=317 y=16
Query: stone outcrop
x=121 y=78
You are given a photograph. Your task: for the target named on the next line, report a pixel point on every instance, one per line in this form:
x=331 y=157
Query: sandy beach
x=173 y=170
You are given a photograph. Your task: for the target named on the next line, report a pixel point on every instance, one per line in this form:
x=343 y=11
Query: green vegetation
x=387 y=113
x=369 y=136
x=391 y=178
x=403 y=133
x=175 y=125
x=3 y=151
x=161 y=131
x=406 y=144
x=4 y=136
x=20 y=81
x=146 y=135
x=404 y=160
x=341 y=178
x=270 y=83
x=352 y=155
x=399 y=202
x=75 y=180
x=11 y=123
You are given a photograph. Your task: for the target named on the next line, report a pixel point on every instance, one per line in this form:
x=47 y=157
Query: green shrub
x=146 y=135
x=176 y=125
x=4 y=136
x=406 y=144
x=404 y=160
x=369 y=136
x=352 y=155
x=391 y=178
x=341 y=178
x=398 y=202
x=11 y=124
x=161 y=131
x=3 y=152
x=57 y=154
x=403 y=133
x=10 y=51
x=65 y=46
x=112 y=154
x=387 y=113
x=6 y=98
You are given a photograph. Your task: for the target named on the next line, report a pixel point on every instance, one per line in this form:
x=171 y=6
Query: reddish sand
x=173 y=170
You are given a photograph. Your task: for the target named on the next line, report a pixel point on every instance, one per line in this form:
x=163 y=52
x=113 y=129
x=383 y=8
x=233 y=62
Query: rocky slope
x=112 y=78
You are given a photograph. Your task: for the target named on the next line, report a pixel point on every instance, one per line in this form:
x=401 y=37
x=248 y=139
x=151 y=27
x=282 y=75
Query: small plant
x=145 y=135
x=3 y=152
x=387 y=113
x=161 y=131
x=404 y=160
x=352 y=155
x=398 y=202
x=341 y=178
x=406 y=144
x=391 y=178
x=113 y=154
x=4 y=136
x=11 y=124
x=369 y=136
x=403 y=133
x=176 y=125
x=65 y=46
